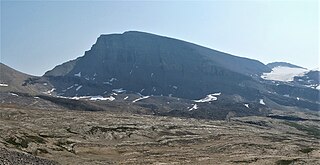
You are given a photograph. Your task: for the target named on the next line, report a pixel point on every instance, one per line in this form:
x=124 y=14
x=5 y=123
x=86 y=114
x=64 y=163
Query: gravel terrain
x=79 y=137
x=12 y=157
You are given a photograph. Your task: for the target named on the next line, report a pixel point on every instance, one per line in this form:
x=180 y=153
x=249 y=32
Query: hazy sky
x=36 y=36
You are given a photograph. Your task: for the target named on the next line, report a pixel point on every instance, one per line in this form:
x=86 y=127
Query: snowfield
x=282 y=73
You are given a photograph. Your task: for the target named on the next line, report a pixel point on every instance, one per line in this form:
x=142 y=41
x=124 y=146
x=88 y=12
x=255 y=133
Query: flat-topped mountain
x=146 y=65
x=153 y=65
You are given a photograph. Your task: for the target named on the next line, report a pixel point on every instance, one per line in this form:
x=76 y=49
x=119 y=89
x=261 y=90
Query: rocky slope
x=153 y=65
x=14 y=81
x=148 y=64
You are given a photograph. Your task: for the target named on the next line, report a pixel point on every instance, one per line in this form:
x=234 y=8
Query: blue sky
x=36 y=36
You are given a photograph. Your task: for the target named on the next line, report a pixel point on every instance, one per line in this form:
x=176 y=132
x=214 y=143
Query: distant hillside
x=14 y=81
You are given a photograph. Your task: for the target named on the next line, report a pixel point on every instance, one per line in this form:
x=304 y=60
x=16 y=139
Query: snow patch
x=13 y=94
x=282 y=73
x=208 y=98
x=194 y=107
x=70 y=87
x=298 y=98
x=110 y=98
x=120 y=90
x=246 y=105
x=79 y=87
x=141 y=98
x=112 y=79
x=3 y=85
x=262 y=102
x=49 y=92
x=96 y=98
x=78 y=98
x=108 y=83
x=126 y=98
x=78 y=74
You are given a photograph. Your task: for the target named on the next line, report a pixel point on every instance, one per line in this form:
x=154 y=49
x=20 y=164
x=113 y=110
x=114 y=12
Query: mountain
x=143 y=65
x=136 y=98
x=14 y=81
x=147 y=64
x=153 y=65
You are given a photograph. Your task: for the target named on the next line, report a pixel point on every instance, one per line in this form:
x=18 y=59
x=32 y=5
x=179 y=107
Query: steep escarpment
x=154 y=65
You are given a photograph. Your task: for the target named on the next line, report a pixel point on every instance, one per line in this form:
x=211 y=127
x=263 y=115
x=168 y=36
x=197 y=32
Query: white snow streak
x=120 y=90
x=79 y=87
x=70 y=87
x=208 y=98
x=13 y=94
x=78 y=74
x=112 y=79
x=107 y=83
x=50 y=91
x=194 y=107
x=141 y=98
x=3 y=85
x=95 y=98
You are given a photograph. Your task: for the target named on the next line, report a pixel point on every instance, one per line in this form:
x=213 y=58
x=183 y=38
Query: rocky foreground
x=29 y=136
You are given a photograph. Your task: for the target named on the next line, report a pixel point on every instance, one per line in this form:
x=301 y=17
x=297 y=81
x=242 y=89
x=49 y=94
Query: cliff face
x=153 y=65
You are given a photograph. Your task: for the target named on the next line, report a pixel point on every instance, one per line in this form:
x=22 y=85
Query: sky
x=36 y=36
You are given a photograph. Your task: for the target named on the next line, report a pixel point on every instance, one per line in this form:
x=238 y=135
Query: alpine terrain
x=141 y=98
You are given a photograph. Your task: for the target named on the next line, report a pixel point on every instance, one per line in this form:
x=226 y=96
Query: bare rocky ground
x=32 y=136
